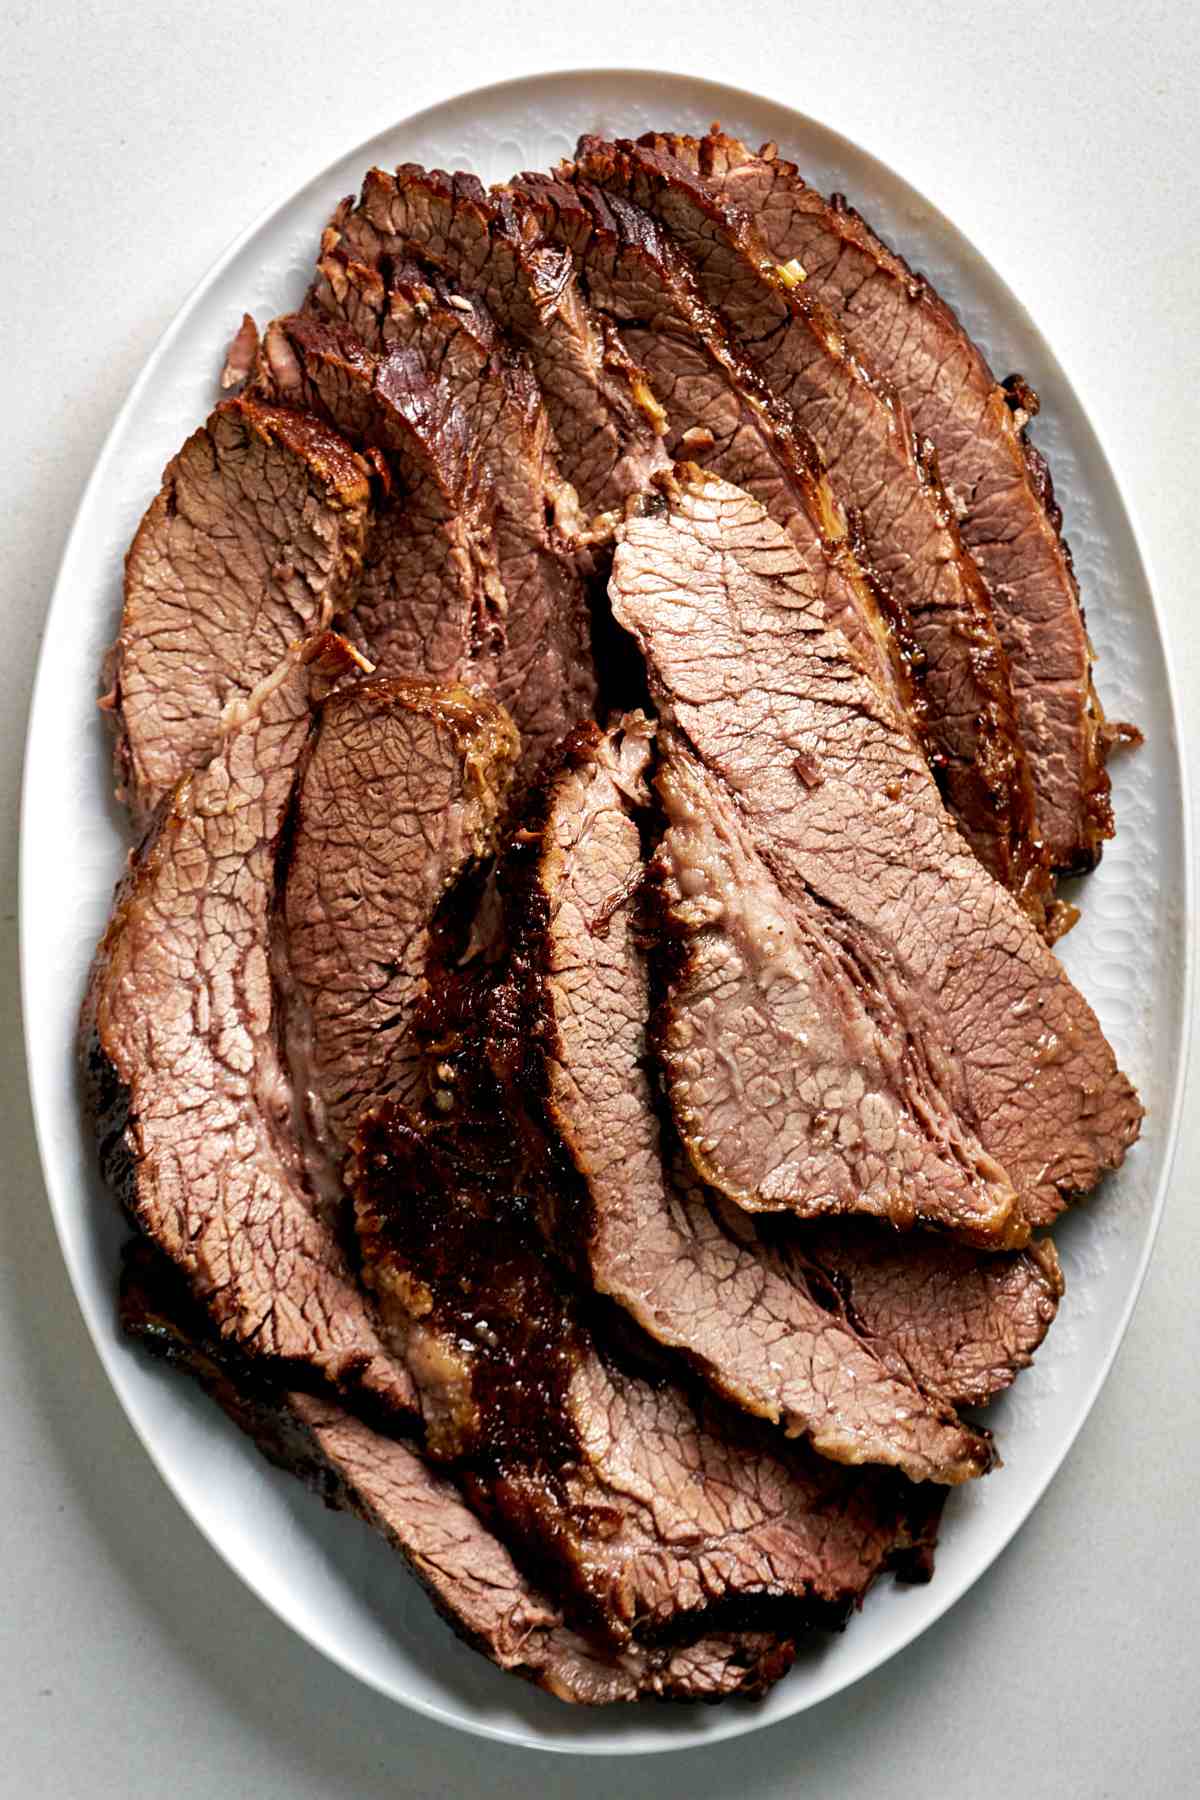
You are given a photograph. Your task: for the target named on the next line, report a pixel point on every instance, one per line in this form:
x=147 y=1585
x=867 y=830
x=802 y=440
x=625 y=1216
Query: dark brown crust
x=328 y=454
x=445 y=1225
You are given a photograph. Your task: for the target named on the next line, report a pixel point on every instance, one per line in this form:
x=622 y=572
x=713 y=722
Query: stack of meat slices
x=604 y=706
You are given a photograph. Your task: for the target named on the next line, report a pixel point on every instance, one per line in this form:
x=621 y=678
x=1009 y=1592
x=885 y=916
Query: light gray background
x=134 y=143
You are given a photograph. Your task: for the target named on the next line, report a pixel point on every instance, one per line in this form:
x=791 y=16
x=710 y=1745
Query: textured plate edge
x=741 y=1722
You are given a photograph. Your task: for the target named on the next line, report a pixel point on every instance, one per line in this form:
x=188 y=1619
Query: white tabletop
x=137 y=141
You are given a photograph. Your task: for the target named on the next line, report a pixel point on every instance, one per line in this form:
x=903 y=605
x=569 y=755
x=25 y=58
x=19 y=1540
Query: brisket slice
x=718 y=408
x=792 y=1085
x=398 y=801
x=466 y=1571
x=495 y=590
x=607 y=427
x=999 y=484
x=458 y=342
x=877 y=468
x=430 y=592
x=965 y=1324
x=958 y=1321
x=765 y=702
x=241 y=358
x=254 y=540
x=192 y=1102
x=658 y=1517
x=766 y=1332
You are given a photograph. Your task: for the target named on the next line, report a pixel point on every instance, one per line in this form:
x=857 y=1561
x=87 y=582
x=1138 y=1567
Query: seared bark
x=765 y=1331
x=466 y=1571
x=606 y=425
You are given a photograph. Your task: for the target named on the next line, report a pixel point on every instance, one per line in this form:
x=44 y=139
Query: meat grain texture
x=399 y=799
x=657 y=1513
x=876 y=466
x=466 y=1570
x=471 y=574
x=580 y=1051
x=998 y=483
x=255 y=539
x=192 y=1101
x=606 y=424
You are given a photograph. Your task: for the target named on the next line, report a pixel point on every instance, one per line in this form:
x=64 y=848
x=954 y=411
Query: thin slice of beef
x=254 y=540
x=430 y=593
x=998 y=482
x=963 y=1323
x=459 y=343
x=508 y=1380
x=192 y=1101
x=718 y=408
x=466 y=1571
x=763 y=698
x=409 y=303
x=876 y=467
x=542 y=544
x=791 y=1085
x=399 y=798
x=607 y=426
x=657 y=1516
x=766 y=1331
x=493 y=593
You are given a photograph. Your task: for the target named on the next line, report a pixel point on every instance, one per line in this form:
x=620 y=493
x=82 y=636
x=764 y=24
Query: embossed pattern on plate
x=327 y=1576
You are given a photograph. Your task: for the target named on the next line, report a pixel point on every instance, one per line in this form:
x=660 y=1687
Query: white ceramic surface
x=327 y=1576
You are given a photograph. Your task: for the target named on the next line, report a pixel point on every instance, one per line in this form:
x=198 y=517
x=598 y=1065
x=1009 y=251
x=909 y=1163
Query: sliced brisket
x=466 y=1571
x=718 y=408
x=657 y=1516
x=965 y=1324
x=192 y=1102
x=430 y=592
x=494 y=592
x=766 y=706
x=998 y=483
x=764 y=1330
x=791 y=1086
x=399 y=799
x=516 y=1115
x=254 y=540
x=399 y=792
x=607 y=427
x=878 y=470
